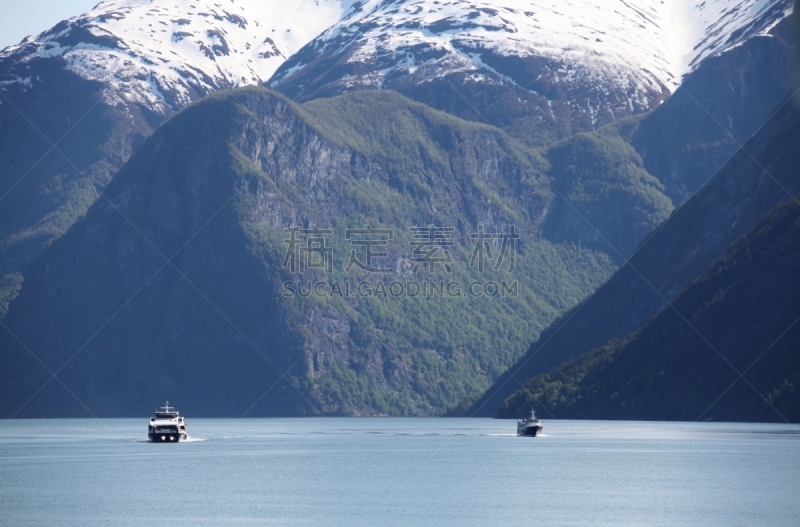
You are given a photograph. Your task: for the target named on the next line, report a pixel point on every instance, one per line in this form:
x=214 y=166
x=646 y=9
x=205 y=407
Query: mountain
x=177 y=284
x=740 y=317
x=607 y=200
x=663 y=157
x=760 y=176
x=76 y=100
x=542 y=70
x=718 y=107
x=572 y=163
x=163 y=55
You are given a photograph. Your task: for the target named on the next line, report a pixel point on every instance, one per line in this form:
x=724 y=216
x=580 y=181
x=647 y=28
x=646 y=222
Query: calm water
x=399 y=472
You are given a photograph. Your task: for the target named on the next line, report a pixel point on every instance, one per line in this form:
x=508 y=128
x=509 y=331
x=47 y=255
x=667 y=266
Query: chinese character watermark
x=310 y=248
x=429 y=247
x=483 y=249
x=314 y=254
x=369 y=239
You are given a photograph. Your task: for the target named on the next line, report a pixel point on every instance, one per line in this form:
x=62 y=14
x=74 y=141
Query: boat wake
x=194 y=439
x=187 y=440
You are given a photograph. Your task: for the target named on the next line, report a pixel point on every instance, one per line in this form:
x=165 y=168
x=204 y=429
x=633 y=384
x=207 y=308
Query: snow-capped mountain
x=165 y=53
x=79 y=101
x=604 y=58
x=607 y=58
x=540 y=69
x=98 y=84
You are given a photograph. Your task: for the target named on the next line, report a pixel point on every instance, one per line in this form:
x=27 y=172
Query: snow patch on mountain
x=165 y=53
x=638 y=44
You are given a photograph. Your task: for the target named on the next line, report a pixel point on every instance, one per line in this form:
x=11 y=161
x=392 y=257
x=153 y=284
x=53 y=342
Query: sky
x=20 y=18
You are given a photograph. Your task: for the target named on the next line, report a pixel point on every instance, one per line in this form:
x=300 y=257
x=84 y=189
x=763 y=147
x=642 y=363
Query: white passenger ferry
x=167 y=426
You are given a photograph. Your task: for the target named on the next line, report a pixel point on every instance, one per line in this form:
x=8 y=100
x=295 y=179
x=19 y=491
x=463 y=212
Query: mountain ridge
x=737 y=318
x=669 y=259
x=96 y=73
x=167 y=54
x=546 y=69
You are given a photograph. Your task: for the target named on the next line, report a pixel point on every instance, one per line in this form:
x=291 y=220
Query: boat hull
x=531 y=431
x=167 y=438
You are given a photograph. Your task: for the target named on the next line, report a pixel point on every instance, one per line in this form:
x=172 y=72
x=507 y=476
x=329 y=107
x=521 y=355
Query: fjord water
x=376 y=471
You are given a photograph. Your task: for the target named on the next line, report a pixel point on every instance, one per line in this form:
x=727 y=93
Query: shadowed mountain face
x=175 y=284
x=79 y=98
x=758 y=178
x=60 y=144
x=717 y=108
x=740 y=317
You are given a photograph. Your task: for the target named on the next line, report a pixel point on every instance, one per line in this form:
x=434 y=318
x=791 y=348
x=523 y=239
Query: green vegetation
x=366 y=158
x=384 y=124
x=603 y=179
x=743 y=313
x=409 y=355
x=415 y=355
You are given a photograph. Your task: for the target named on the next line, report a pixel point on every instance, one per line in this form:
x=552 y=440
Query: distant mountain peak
x=165 y=53
x=638 y=45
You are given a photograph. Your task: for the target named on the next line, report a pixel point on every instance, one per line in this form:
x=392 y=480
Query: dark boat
x=529 y=426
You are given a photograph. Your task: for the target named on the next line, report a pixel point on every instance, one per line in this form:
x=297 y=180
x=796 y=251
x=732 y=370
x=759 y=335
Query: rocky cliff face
x=175 y=284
